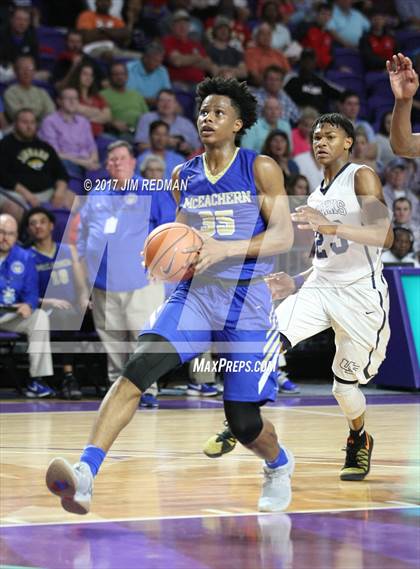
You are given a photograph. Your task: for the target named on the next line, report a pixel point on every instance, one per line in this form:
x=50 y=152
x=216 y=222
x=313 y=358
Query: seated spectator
x=298 y=258
x=347 y=25
x=307 y=89
x=153 y=167
x=24 y=94
x=227 y=60
x=277 y=146
x=286 y=9
x=70 y=135
x=159 y=144
x=385 y=152
x=19 y=296
x=70 y=58
x=361 y=150
x=301 y=135
x=317 y=37
x=262 y=56
x=62 y=288
x=310 y=168
x=401 y=252
x=350 y=107
x=126 y=105
x=237 y=12
x=183 y=134
x=18 y=38
x=91 y=104
x=270 y=15
x=396 y=186
x=147 y=75
x=297 y=185
x=402 y=210
x=30 y=169
x=255 y=137
x=272 y=86
x=377 y=45
x=186 y=59
x=99 y=25
x=115 y=7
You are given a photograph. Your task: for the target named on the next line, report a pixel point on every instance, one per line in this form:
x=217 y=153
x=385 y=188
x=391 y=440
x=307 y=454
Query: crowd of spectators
x=126 y=70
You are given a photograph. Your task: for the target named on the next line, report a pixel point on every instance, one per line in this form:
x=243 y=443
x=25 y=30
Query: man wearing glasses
x=18 y=306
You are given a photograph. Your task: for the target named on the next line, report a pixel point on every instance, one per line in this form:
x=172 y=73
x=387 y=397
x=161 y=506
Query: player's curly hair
x=335 y=119
x=239 y=94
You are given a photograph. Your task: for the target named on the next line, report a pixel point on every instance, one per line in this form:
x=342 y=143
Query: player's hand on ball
x=281 y=285
x=210 y=252
x=310 y=219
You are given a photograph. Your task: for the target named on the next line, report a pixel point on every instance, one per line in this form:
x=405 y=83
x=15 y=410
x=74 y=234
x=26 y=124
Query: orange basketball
x=163 y=252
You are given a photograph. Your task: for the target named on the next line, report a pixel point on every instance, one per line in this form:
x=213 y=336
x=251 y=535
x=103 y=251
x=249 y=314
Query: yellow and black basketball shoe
x=358 y=454
x=219 y=444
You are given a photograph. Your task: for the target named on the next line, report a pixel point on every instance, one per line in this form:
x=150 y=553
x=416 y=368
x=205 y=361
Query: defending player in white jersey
x=344 y=289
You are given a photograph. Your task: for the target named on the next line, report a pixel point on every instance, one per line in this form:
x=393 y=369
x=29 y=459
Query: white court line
x=406 y=504
x=194 y=516
x=167 y=454
x=216 y=408
x=298 y=410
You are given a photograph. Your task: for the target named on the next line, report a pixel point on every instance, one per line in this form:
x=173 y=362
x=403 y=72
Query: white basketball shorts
x=358 y=314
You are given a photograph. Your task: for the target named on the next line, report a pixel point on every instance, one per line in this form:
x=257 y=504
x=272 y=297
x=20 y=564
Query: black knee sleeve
x=244 y=419
x=153 y=358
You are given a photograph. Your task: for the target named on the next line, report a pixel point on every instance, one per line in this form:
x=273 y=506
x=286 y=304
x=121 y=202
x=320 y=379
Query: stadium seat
x=377 y=83
x=378 y=106
x=346 y=57
x=187 y=102
x=51 y=41
x=350 y=81
x=409 y=41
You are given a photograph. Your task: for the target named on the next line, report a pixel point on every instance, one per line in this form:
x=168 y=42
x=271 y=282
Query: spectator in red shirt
x=91 y=105
x=187 y=60
x=318 y=38
x=377 y=45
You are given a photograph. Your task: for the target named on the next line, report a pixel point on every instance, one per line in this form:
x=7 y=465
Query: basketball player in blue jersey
x=237 y=201
x=345 y=288
x=62 y=287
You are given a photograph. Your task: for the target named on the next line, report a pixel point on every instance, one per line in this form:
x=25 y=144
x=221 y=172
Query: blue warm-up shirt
x=113 y=227
x=19 y=278
x=55 y=273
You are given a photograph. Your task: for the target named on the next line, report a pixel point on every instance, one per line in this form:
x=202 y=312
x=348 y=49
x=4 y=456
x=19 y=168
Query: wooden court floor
x=156 y=468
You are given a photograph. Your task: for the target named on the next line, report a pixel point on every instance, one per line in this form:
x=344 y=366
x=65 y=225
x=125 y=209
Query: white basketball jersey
x=340 y=260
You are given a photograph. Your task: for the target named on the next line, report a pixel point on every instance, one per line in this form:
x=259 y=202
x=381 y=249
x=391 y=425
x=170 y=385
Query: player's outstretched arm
x=404 y=83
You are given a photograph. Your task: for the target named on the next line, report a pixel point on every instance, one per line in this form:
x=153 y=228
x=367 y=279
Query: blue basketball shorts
x=237 y=323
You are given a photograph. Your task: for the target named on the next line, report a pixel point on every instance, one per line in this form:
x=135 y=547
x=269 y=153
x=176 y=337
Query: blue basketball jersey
x=225 y=207
x=56 y=277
